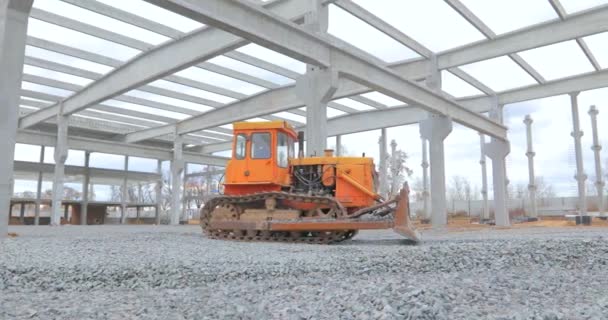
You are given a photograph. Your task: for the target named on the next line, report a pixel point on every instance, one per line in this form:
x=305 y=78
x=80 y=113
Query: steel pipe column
x=435 y=129
x=531 y=177
x=61 y=155
x=597 y=147
x=177 y=167
x=13 y=29
x=577 y=134
x=485 y=214
x=382 y=166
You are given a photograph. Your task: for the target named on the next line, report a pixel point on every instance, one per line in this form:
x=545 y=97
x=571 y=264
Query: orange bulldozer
x=272 y=195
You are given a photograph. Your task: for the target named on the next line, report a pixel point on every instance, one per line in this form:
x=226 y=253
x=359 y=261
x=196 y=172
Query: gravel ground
x=148 y=272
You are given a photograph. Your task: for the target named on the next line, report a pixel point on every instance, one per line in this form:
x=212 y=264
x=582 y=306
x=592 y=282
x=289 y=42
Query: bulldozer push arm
x=393 y=214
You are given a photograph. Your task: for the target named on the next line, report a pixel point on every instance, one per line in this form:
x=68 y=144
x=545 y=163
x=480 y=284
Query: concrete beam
x=113 y=147
x=13 y=30
x=151 y=65
x=48 y=168
x=528 y=38
x=398 y=116
x=561 y=12
x=285 y=37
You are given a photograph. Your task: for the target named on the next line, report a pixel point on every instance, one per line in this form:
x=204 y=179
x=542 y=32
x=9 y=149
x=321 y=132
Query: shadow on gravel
x=380 y=242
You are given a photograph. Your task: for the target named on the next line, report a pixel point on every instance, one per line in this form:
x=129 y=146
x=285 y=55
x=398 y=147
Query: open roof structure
x=134 y=77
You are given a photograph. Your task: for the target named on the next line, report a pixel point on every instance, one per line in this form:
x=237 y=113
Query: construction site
x=303 y=159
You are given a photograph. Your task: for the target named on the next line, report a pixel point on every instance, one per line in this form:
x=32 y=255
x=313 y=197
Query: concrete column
x=22 y=213
x=433 y=79
x=317 y=86
x=315 y=89
x=66 y=209
x=339 y=146
x=497 y=150
x=183 y=216
x=497 y=114
x=395 y=186
x=435 y=129
x=382 y=165
x=125 y=192
x=597 y=147
x=39 y=190
x=577 y=134
x=485 y=214
x=159 y=190
x=177 y=167
x=426 y=206
x=61 y=155
x=139 y=201
x=13 y=27
x=85 y=189
x=531 y=176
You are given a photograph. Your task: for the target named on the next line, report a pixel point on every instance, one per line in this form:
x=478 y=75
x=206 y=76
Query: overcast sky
x=432 y=22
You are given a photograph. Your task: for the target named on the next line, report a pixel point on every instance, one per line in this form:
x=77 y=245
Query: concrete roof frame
x=138 y=128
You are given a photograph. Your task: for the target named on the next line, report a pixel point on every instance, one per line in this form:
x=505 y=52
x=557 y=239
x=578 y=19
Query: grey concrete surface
x=173 y=272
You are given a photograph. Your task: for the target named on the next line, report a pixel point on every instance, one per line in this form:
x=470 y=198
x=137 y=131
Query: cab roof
x=244 y=125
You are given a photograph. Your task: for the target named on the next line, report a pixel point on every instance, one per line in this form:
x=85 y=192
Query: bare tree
x=115 y=193
x=397 y=169
x=418 y=189
x=344 y=152
x=457 y=188
x=29 y=194
x=71 y=193
x=544 y=190
x=166 y=191
x=460 y=189
x=148 y=194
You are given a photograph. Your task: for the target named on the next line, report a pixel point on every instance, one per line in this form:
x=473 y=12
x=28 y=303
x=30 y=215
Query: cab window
x=240 y=147
x=290 y=144
x=282 y=150
x=260 y=145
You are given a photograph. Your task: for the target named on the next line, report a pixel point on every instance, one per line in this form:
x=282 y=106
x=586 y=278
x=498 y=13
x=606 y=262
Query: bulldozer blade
x=402 y=223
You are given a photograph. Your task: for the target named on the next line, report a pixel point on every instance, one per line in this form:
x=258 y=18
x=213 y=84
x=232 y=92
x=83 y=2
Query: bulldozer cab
x=260 y=157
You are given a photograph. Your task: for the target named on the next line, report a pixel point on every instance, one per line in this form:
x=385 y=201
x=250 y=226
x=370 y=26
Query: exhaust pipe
x=300 y=144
